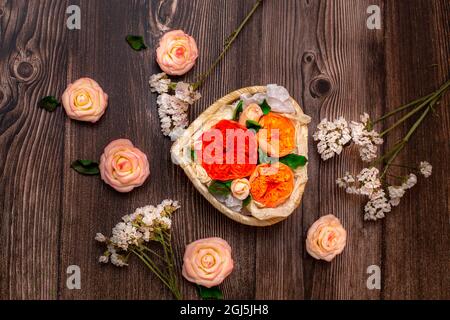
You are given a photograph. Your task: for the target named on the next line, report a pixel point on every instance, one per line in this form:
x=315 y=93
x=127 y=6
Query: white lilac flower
x=186 y=93
x=332 y=136
x=124 y=234
x=425 y=169
x=100 y=237
x=377 y=206
x=395 y=195
x=103 y=259
x=159 y=83
x=118 y=260
x=348 y=182
x=366 y=140
x=172 y=113
x=369 y=181
x=410 y=182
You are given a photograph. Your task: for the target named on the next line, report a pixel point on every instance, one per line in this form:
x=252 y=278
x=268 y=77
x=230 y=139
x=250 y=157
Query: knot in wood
x=320 y=86
x=26 y=67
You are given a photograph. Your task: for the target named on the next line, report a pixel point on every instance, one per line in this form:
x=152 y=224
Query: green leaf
x=246 y=202
x=86 y=167
x=228 y=183
x=294 y=161
x=265 y=107
x=264 y=157
x=136 y=42
x=49 y=103
x=193 y=155
x=252 y=124
x=238 y=110
x=219 y=188
x=213 y=293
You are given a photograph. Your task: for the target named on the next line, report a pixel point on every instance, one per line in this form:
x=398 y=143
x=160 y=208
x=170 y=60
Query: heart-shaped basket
x=222 y=109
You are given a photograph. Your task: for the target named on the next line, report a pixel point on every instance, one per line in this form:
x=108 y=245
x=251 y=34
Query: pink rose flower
x=326 y=238
x=176 y=53
x=84 y=100
x=207 y=262
x=251 y=112
x=123 y=166
x=240 y=188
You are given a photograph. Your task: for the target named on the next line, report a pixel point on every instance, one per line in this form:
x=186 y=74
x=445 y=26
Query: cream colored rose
x=326 y=238
x=207 y=262
x=84 y=100
x=240 y=188
x=123 y=166
x=251 y=112
x=201 y=173
x=177 y=53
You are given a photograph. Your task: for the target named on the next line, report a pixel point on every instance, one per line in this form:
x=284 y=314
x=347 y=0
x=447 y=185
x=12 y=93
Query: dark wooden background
x=321 y=51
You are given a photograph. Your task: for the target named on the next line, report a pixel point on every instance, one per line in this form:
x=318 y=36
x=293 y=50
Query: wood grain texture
x=33 y=64
x=321 y=50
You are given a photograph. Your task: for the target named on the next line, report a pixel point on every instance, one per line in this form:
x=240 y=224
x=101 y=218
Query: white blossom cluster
x=135 y=229
x=334 y=135
x=366 y=140
x=173 y=108
x=381 y=200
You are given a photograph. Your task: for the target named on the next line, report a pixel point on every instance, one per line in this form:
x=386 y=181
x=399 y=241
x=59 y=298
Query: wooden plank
x=416 y=235
x=279 y=273
x=350 y=57
x=32 y=64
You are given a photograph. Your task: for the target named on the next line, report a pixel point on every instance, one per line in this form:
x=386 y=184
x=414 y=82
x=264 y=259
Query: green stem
x=406 y=139
x=151 y=268
x=228 y=44
x=154 y=253
x=432 y=98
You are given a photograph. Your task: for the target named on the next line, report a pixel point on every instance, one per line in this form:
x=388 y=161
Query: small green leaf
x=213 y=293
x=265 y=107
x=252 y=124
x=193 y=155
x=246 y=202
x=238 y=110
x=86 y=167
x=264 y=157
x=219 y=188
x=49 y=103
x=294 y=161
x=136 y=42
x=228 y=183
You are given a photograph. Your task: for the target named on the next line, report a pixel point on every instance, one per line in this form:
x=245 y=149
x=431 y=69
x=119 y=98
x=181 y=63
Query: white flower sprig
x=371 y=182
x=332 y=137
x=134 y=235
x=173 y=103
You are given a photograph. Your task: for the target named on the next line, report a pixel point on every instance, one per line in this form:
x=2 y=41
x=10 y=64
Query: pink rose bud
x=177 y=53
x=207 y=262
x=84 y=100
x=251 y=112
x=326 y=238
x=123 y=166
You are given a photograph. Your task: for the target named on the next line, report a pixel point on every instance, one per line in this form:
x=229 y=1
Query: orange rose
x=251 y=112
x=272 y=184
x=326 y=238
x=207 y=262
x=176 y=53
x=123 y=166
x=277 y=136
x=84 y=100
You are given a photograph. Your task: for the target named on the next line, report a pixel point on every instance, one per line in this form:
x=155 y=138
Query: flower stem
x=228 y=44
x=149 y=265
x=435 y=95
